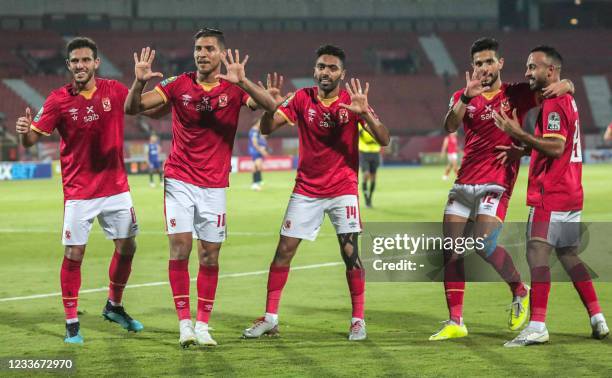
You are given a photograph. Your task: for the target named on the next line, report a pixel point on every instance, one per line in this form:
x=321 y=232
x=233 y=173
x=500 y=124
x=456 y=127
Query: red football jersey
x=204 y=124
x=555 y=184
x=329 y=140
x=451 y=147
x=91 y=128
x=481 y=135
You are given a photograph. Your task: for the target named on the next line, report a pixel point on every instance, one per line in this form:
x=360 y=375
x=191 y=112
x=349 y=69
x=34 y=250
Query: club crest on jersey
x=168 y=81
x=106 y=104
x=172 y=222
x=287 y=224
x=68 y=234
x=222 y=100
x=505 y=105
x=343 y=116
x=554 y=122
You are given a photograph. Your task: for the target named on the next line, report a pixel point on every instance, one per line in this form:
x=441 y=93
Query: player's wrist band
x=465 y=99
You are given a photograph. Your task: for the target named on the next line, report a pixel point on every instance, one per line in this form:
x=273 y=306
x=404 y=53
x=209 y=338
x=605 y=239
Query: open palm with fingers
x=359 y=97
x=235 y=69
x=142 y=65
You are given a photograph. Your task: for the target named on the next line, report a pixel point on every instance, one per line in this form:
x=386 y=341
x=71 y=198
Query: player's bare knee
x=180 y=248
x=126 y=247
x=208 y=253
x=74 y=252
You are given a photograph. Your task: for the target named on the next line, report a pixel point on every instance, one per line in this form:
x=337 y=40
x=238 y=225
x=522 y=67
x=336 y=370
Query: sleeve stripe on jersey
x=559 y=136
x=162 y=94
x=39 y=130
x=286 y=117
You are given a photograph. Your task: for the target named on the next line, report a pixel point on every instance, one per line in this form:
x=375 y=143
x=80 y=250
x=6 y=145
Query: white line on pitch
x=229 y=275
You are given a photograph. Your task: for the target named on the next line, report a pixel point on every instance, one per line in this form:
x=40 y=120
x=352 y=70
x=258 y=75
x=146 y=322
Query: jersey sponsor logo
x=222 y=100
x=488 y=113
x=39 y=114
x=186 y=99
x=106 y=104
x=168 y=81
x=343 y=116
x=204 y=105
x=91 y=115
x=554 y=122
x=327 y=122
x=74 y=113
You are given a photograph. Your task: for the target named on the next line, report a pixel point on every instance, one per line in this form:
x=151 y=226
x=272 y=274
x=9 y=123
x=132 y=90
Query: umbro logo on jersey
x=311 y=115
x=74 y=113
x=186 y=99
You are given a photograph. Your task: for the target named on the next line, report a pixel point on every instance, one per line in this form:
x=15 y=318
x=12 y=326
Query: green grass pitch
x=315 y=308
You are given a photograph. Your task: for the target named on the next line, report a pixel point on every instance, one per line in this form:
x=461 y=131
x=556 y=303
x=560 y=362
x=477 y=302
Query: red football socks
x=70 y=279
x=503 y=264
x=454 y=287
x=277 y=278
x=540 y=288
x=584 y=286
x=118 y=273
x=356 y=284
x=178 y=272
x=207 y=287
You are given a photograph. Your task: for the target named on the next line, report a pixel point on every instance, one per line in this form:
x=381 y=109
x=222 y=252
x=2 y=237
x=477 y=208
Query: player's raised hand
x=473 y=84
x=23 y=123
x=557 y=89
x=359 y=97
x=235 y=69
x=510 y=153
x=142 y=65
x=509 y=125
x=274 y=86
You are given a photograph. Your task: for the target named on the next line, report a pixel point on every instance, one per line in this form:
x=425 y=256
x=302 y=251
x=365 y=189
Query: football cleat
x=519 y=311
x=450 y=330
x=600 y=330
x=261 y=327
x=73 y=334
x=357 y=331
x=528 y=336
x=203 y=336
x=187 y=334
x=118 y=315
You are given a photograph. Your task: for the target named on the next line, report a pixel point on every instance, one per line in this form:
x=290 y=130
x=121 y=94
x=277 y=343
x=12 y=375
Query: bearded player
x=483 y=187
x=327 y=119
x=554 y=195
x=88 y=114
x=205 y=108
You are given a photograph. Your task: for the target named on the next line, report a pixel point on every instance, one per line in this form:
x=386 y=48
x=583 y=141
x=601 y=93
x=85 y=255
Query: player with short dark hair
x=554 y=195
x=326 y=117
x=88 y=114
x=478 y=201
x=205 y=110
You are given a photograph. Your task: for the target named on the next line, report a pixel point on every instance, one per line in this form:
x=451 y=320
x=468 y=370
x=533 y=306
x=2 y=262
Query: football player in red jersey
x=327 y=119
x=450 y=148
x=484 y=184
x=554 y=195
x=205 y=108
x=88 y=114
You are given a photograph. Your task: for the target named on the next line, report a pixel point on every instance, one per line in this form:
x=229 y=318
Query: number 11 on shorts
x=221 y=220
